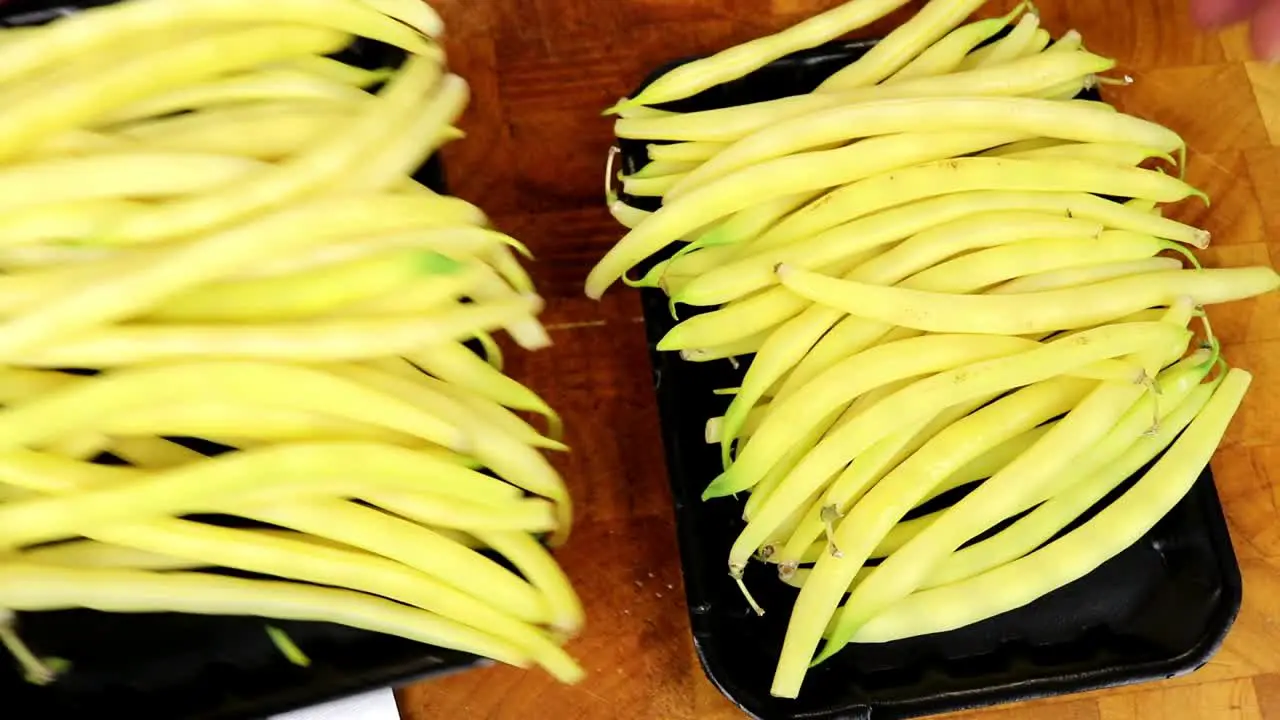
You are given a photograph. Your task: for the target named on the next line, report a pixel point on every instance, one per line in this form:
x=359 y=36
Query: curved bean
x=45 y=109
x=929 y=180
x=734 y=279
x=775 y=179
x=1020 y=42
x=899 y=47
x=726 y=65
x=1105 y=423
x=1021 y=77
x=28 y=587
x=1111 y=531
x=945 y=56
x=792 y=344
x=1081 y=491
x=943 y=389
x=1087 y=275
x=1017 y=116
x=1031 y=312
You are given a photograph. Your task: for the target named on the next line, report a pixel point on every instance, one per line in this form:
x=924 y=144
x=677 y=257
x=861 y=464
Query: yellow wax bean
x=511 y=459
x=1079 y=491
x=412 y=545
x=1052 y=174
x=214 y=256
x=212 y=419
x=935 y=20
x=274 y=385
x=458 y=365
x=1019 y=116
x=736 y=348
x=45 y=111
x=659 y=168
x=685 y=152
x=1103 y=153
x=781 y=177
x=119 y=175
x=650 y=186
x=309 y=468
x=1115 y=528
x=327 y=68
x=1088 y=275
x=989 y=463
x=295 y=177
x=1091 y=436
x=627 y=216
x=1021 y=77
x=884 y=505
x=303 y=341
x=459 y=241
x=413 y=143
x=28 y=587
x=794 y=341
x=304 y=295
x=265 y=131
x=103 y=26
x=985 y=268
x=308 y=562
x=90 y=554
x=535 y=563
x=744 y=226
x=746 y=316
x=1018 y=43
x=945 y=56
x=75 y=221
x=499 y=418
x=915 y=402
x=866 y=470
x=382 y=535
x=531 y=515
x=692 y=78
x=272 y=85
x=861 y=373
x=734 y=279
x=1031 y=312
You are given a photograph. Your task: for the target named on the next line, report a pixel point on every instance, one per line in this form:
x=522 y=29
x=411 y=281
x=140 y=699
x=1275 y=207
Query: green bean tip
x=287 y=647
x=436 y=263
x=618 y=107
x=717 y=488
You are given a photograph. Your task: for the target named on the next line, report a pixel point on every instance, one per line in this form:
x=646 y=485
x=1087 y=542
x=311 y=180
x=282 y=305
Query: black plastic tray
x=1158 y=610
x=186 y=667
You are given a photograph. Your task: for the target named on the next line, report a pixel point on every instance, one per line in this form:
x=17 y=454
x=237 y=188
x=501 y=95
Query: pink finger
x=1266 y=31
x=1217 y=13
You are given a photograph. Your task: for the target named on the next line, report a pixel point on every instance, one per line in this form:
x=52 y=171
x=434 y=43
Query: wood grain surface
x=541 y=70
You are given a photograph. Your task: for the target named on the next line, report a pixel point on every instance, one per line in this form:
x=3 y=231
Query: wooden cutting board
x=541 y=70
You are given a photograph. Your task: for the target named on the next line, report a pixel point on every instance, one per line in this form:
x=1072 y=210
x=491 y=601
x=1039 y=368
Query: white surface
x=379 y=705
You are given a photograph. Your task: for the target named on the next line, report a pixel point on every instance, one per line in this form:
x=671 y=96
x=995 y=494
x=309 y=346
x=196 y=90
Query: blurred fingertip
x=1266 y=32
x=1221 y=13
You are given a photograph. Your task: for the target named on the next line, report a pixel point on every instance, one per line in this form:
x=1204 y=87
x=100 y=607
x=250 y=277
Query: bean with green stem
x=775 y=179
x=1073 y=556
